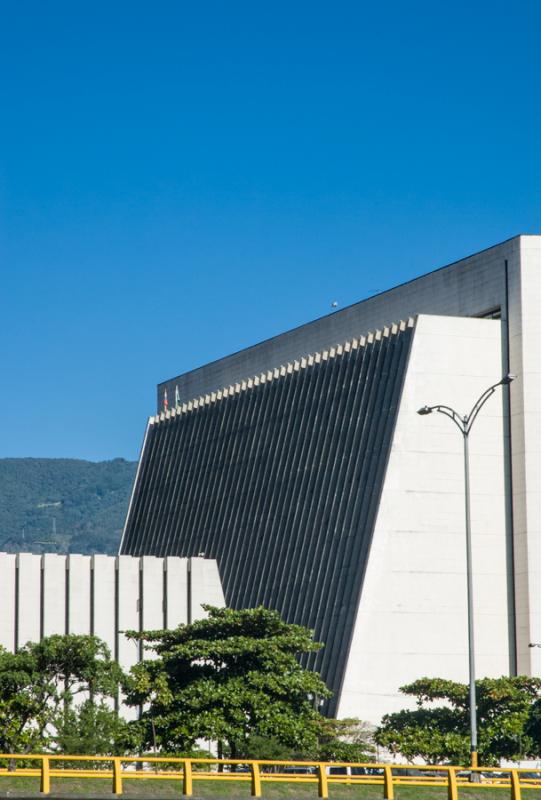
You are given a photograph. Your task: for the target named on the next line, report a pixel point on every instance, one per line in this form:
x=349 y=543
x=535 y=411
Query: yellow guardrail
x=118 y=769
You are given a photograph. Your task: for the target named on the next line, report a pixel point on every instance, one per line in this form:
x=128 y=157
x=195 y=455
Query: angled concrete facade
x=412 y=615
x=403 y=614
x=287 y=533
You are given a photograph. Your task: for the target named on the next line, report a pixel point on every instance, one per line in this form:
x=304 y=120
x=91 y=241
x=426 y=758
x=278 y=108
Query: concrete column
x=205 y=587
x=78 y=599
x=152 y=596
x=103 y=610
x=7 y=606
x=28 y=623
x=53 y=594
x=176 y=591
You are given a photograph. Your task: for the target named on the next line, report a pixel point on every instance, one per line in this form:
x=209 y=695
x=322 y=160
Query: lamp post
x=464 y=424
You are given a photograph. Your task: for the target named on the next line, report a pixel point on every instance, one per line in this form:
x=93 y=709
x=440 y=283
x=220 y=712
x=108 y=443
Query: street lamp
x=464 y=424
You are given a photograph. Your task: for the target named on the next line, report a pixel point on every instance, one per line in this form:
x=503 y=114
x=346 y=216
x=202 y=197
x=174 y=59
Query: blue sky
x=179 y=180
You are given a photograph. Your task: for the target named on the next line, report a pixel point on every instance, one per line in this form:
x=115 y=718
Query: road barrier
x=257 y=773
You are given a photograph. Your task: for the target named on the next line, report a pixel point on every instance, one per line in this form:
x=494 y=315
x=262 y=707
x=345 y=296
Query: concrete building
x=101 y=595
x=301 y=466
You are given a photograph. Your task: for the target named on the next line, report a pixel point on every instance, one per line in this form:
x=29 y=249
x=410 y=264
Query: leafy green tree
x=440 y=733
x=93 y=727
x=40 y=681
x=337 y=740
x=227 y=678
x=348 y=739
x=533 y=727
x=268 y=748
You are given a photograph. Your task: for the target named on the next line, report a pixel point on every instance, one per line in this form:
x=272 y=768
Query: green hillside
x=63 y=505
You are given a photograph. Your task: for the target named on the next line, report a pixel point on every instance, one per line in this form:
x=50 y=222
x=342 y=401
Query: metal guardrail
x=325 y=774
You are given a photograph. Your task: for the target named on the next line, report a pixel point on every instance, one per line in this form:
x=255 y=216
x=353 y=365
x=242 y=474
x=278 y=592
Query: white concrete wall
x=206 y=587
x=152 y=596
x=53 y=590
x=411 y=620
x=525 y=303
x=128 y=608
x=103 y=608
x=7 y=606
x=128 y=616
x=79 y=598
x=27 y=624
x=176 y=591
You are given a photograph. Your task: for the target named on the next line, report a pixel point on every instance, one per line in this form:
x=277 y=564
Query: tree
x=348 y=739
x=94 y=728
x=227 y=678
x=266 y=748
x=440 y=733
x=39 y=682
x=533 y=727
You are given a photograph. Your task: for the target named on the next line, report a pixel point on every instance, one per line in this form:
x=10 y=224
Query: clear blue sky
x=179 y=180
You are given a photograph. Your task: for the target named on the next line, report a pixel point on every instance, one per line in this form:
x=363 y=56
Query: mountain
x=63 y=505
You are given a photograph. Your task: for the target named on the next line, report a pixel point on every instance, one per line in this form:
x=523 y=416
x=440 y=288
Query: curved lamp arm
x=453 y=415
x=464 y=423
x=505 y=381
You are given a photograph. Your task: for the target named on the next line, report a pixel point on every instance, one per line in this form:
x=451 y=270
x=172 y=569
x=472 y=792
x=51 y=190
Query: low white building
x=103 y=595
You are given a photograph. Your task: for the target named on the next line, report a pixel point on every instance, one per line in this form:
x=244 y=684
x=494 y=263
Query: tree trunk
x=234 y=754
x=220 y=755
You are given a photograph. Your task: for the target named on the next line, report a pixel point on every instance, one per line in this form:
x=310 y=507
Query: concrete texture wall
x=103 y=595
x=525 y=329
x=412 y=617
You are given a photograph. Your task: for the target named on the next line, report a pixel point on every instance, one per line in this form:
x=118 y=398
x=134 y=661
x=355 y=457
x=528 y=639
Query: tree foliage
x=533 y=726
x=347 y=739
x=39 y=682
x=95 y=728
x=337 y=740
x=438 y=729
x=227 y=678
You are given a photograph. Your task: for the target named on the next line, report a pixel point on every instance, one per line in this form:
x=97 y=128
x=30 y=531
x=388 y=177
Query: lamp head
x=425 y=410
x=507 y=379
